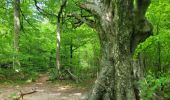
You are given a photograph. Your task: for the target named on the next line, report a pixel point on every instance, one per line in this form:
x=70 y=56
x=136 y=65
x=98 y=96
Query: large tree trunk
x=115 y=80
x=16 y=63
x=119 y=23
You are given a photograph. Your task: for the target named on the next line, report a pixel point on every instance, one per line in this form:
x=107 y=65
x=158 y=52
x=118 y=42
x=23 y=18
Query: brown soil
x=45 y=90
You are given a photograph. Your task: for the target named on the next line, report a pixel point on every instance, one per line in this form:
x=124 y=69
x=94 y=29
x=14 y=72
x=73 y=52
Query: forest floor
x=44 y=90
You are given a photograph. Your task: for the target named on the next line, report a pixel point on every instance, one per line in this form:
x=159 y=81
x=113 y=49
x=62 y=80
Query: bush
x=155 y=88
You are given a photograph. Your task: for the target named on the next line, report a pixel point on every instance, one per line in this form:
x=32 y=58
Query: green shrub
x=151 y=87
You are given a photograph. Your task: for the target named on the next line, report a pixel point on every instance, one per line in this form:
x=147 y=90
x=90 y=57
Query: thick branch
x=142 y=6
x=61 y=10
x=89 y=22
x=91 y=7
x=141 y=23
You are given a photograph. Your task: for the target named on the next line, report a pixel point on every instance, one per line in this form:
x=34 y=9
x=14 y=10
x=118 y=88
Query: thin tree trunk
x=71 y=51
x=159 y=51
x=58 y=38
x=16 y=63
x=159 y=59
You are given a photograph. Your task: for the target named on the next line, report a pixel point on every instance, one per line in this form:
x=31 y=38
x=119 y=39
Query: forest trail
x=44 y=90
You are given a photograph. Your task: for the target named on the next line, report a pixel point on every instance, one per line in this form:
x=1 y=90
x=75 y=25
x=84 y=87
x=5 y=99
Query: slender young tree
x=58 y=30
x=16 y=62
x=58 y=37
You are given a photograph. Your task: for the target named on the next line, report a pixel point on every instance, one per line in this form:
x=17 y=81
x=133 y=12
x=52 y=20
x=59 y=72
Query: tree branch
x=89 y=22
x=61 y=10
x=27 y=20
x=42 y=11
x=142 y=6
x=91 y=7
x=142 y=24
x=22 y=94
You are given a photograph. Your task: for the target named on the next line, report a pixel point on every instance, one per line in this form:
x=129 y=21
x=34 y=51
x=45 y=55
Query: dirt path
x=44 y=91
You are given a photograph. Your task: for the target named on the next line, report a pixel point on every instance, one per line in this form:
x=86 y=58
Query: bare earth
x=44 y=91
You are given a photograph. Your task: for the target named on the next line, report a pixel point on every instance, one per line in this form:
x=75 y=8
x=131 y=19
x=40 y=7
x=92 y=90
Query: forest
x=85 y=50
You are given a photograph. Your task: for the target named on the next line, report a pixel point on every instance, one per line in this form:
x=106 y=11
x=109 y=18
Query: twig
x=21 y=96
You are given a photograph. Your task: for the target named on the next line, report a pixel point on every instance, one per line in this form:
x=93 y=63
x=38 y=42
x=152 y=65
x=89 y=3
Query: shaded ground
x=44 y=91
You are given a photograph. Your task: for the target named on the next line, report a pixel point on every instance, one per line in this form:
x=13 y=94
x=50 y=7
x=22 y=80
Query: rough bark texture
x=121 y=26
x=17 y=26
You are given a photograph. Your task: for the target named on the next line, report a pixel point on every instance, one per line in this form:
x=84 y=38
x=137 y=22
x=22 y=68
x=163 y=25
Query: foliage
x=156 y=52
x=37 y=41
x=152 y=86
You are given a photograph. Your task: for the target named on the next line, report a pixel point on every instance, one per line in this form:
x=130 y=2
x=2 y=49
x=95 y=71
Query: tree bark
x=118 y=22
x=16 y=63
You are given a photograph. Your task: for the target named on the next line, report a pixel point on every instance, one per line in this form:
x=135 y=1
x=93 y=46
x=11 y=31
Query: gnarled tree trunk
x=121 y=26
